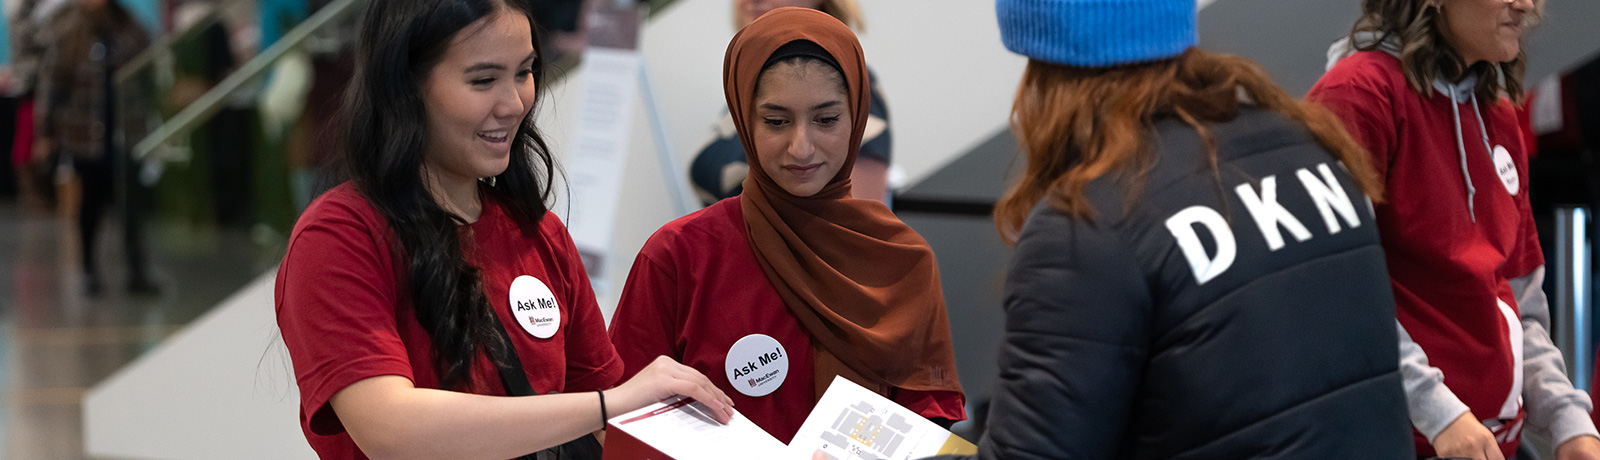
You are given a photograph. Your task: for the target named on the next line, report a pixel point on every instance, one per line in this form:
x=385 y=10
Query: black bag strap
x=511 y=374
x=515 y=380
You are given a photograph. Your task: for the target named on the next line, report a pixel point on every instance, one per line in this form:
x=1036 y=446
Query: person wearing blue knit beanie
x=1197 y=272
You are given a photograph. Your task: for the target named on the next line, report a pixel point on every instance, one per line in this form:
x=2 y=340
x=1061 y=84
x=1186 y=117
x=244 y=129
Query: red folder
x=623 y=446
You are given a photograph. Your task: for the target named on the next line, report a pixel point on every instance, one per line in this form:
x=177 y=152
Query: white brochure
x=683 y=429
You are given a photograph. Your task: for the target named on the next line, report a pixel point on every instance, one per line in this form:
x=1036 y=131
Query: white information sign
x=609 y=81
x=610 y=85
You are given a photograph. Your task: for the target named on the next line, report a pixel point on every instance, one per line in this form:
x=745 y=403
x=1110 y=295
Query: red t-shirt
x=343 y=317
x=1450 y=271
x=696 y=290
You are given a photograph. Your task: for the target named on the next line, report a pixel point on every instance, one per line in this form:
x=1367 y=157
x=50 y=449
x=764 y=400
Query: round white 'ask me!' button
x=1507 y=170
x=757 y=365
x=534 y=307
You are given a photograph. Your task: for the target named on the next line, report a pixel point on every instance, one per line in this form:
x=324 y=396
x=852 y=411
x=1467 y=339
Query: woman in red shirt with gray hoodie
x=1427 y=86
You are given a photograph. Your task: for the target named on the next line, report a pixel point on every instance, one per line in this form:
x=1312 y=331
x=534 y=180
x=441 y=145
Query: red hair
x=1077 y=124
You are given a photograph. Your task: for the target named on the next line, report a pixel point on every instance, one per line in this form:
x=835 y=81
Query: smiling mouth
x=495 y=137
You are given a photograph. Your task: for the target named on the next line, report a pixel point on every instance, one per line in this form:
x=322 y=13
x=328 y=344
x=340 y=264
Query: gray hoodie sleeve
x=1432 y=406
x=1555 y=408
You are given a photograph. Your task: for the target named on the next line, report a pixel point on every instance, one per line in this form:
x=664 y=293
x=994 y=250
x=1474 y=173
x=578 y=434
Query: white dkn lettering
x=1329 y=197
x=1269 y=215
x=1205 y=266
x=1333 y=202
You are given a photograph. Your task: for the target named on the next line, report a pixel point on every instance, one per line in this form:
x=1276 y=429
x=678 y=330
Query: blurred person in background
x=718 y=171
x=226 y=142
x=1197 y=272
x=1427 y=87
x=28 y=46
x=77 y=118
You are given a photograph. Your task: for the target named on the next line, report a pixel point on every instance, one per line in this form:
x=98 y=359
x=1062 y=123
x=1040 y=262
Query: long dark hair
x=385 y=128
x=1424 y=53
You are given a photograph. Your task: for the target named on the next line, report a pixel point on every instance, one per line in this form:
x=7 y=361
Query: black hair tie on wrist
x=603 y=416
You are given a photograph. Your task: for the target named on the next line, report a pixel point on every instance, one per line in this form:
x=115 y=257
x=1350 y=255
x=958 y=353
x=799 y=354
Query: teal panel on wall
x=5 y=38
x=148 y=12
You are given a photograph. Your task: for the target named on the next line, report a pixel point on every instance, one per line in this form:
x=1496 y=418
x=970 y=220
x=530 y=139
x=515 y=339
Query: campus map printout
x=854 y=423
x=849 y=423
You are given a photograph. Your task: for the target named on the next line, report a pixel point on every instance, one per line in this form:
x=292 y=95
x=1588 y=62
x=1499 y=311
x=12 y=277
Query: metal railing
x=207 y=104
x=162 y=49
x=204 y=107
x=1571 y=307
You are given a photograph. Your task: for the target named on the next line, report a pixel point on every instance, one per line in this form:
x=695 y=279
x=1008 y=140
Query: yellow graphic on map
x=861 y=427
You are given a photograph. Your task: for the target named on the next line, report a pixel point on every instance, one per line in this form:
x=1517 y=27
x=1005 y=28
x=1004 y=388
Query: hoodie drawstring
x=1459 y=93
x=1482 y=128
x=1462 y=149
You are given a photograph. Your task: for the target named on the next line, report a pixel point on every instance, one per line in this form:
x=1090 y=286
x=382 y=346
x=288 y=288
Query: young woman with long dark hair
x=1427 y=86
x=432 y=304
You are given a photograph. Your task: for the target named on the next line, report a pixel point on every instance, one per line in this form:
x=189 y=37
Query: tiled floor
x=56 y=342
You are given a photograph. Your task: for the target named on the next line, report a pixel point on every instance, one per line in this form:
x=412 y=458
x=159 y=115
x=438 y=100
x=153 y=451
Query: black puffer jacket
x=1192 y=325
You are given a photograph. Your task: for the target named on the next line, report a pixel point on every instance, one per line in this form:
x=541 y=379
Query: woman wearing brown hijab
x=793 y=282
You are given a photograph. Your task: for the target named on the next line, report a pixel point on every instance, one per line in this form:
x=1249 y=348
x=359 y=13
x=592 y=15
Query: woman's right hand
x=1467 y=438
x=665 y=378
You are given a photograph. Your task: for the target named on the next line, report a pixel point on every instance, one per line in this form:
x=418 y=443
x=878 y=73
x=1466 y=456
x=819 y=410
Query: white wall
x=946 y=78
x=221 y=388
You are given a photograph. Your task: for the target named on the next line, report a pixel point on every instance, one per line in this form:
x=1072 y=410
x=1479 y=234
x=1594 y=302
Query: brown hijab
x=863 y=284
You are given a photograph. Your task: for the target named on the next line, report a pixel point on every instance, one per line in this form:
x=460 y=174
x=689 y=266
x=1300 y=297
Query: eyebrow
x=829 y=104
x=495 y=66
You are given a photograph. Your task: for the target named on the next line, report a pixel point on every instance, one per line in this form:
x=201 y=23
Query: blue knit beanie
x=1097 y=33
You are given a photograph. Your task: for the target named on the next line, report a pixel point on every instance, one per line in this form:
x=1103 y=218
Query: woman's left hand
x=1579 y=448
